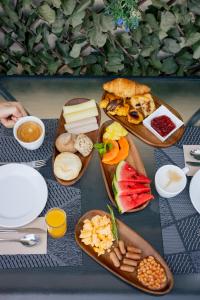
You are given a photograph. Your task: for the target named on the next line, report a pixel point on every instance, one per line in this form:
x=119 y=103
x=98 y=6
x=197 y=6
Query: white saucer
x=194 y=191
x=23 y=195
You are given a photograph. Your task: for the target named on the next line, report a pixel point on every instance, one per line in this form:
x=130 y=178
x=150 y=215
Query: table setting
x=45 y=226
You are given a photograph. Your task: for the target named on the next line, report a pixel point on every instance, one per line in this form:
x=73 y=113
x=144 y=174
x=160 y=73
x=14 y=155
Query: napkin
x=14 y=248
x=189 y=157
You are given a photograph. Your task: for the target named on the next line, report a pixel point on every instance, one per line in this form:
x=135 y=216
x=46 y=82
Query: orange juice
x=56 y=220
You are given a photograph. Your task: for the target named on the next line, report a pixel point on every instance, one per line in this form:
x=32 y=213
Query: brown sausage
x=133 y=256
x=122 y=247
x=117 y=252
x=114 y=259
x=130 y=262
x=127 y=268
x=134 y=250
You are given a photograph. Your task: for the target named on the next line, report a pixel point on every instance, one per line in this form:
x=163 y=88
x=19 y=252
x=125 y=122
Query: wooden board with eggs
x=77 y=132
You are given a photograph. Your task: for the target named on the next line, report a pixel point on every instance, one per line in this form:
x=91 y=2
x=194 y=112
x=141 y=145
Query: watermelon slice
x=128 y=202
x=126 y=172
x=129 y=187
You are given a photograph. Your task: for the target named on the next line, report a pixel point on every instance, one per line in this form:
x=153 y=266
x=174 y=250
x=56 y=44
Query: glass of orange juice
x=56 y=220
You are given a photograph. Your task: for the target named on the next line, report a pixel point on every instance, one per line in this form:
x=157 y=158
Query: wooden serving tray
x=144 y=134
x=130 y=238
x=93 y=135
x=108 y=171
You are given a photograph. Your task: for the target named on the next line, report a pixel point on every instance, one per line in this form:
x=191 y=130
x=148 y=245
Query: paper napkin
x=14 y=248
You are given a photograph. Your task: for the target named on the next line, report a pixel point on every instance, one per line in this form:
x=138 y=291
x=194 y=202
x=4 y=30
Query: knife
x=31 y=230
x=193 y=163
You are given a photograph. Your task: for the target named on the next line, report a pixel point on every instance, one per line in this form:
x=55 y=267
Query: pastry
x=135 y=117
x=83 y=144
x=117 y=107
x=125 y=88
x=145 y=102
x=65 y=142
x=67 y=166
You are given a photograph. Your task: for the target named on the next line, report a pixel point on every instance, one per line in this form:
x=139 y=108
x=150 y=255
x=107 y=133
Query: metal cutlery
x=28 y=240
x=36 y=164
x=24 y=230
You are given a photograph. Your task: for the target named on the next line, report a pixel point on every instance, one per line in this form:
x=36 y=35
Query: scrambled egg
x=115 y=131
x=97 y=233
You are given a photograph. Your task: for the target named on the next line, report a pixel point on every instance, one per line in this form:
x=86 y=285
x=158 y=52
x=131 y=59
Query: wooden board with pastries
x=129 y=103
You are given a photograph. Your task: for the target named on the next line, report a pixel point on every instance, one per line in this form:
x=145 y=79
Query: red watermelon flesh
x=128 y=187
x=126 y=172
x=128 y=202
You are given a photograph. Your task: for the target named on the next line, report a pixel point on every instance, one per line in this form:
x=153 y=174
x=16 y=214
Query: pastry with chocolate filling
x=135 y=117
x=118 y=107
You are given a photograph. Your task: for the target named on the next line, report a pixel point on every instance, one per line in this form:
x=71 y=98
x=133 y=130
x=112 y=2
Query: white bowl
x=162 y=110
x=32 y=145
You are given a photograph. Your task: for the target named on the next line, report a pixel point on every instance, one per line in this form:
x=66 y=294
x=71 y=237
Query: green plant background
x=75 y=37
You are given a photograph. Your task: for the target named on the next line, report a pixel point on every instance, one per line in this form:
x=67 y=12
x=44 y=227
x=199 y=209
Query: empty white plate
x=195 y=191
x=23 y=195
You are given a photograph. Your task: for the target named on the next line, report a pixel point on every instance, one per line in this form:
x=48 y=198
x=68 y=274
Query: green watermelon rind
x=118 y=170
x=115 y=191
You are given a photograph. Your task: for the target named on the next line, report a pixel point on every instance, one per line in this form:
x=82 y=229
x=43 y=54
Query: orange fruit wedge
x=122 y=154
x=112 y=153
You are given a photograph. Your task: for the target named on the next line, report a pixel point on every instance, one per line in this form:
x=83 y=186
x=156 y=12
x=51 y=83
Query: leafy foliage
x=70 y=37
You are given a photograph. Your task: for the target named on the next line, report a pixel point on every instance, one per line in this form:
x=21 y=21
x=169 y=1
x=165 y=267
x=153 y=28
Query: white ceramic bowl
x=161 y=181
x=32 y=145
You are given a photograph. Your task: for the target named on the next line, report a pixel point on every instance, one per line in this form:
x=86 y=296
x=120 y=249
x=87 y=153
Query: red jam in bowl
x=163 y=125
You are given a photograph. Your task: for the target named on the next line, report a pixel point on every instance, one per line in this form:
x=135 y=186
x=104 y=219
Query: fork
x=36 y=164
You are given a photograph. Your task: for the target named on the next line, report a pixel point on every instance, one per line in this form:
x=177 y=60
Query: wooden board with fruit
x=123 y=172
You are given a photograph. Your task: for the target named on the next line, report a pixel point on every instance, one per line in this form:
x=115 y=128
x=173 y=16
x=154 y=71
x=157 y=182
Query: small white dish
x=23 y=195
x=32 y=145
x=162 y=110
x=161 y=181
x=194 y=191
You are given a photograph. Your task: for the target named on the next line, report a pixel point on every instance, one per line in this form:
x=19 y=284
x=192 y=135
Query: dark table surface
x=90 y=280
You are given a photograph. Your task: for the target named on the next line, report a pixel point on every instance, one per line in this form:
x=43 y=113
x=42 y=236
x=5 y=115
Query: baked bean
x=114 y=259
x=126 y=268
x=133 y=256
x=130 y=262
x=117 y=252
x=122 y=247
x=134 y=249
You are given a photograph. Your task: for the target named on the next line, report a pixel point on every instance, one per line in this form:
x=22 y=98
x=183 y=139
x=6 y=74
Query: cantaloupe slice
x=112 y=153
x=122 y=154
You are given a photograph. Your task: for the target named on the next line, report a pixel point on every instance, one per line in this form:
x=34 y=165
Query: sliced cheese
x=83 y=122
x=83 y=129
x=79 y=107
x=83 y=114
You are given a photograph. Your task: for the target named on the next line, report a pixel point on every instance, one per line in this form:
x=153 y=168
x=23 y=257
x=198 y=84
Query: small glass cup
x=56 y=220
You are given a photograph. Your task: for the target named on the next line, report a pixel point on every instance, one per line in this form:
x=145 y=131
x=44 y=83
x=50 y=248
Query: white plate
x=23 y=195
x=162 y=110
x=194 y=191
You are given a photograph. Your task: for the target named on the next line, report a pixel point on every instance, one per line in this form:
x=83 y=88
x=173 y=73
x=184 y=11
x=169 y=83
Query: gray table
x=91 y=280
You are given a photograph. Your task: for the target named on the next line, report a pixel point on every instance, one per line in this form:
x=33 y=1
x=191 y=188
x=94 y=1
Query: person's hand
x=10 y=112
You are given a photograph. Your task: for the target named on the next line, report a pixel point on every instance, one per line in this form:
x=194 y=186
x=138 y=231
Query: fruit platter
x=123 y=252
x=123 y=172
x=134 y=106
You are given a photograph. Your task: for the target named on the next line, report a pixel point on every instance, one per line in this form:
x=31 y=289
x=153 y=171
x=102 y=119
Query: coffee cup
x=170 y=180
x=29 y=131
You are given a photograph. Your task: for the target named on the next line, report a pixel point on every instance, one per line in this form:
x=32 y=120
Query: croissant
x=125 y=88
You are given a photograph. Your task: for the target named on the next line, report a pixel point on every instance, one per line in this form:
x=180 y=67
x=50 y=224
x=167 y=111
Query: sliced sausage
x=114 y=259
x=117 y=252
x=122 y=247
x=127 y=268
x=134 y=249
x=133 y=256
x=130 y=262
